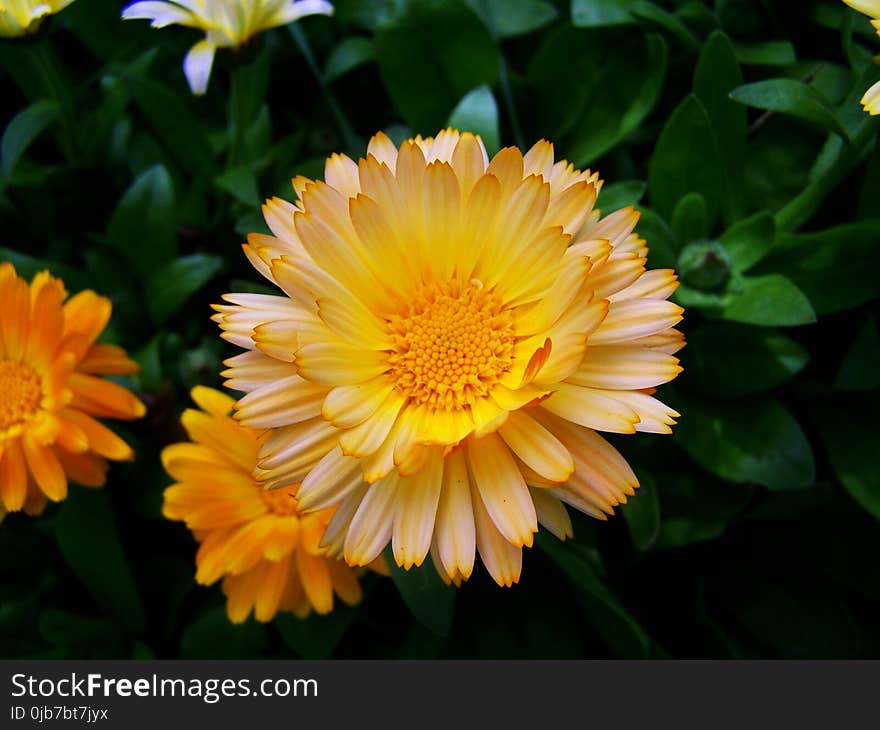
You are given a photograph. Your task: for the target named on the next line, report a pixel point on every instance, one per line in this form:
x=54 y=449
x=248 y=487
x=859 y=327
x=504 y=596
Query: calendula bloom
x=871 y=8
x=454 y=333
x=18 y=17
x=51 y=391
x=266 y=552
x=227 y=24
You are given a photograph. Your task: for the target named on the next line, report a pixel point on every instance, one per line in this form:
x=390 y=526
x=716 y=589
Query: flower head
x=227 y=24
x=257 y=541
x=454 y=333
x=871 y=8
x=18 y=17
x=51 y=391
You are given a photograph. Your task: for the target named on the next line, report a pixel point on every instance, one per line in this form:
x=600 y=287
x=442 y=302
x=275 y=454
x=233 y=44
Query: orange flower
x=257 y=541
x=51 y=390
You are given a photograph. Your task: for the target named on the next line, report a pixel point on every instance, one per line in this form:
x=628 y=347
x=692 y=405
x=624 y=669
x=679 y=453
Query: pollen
x=20 y=393
x=281 y=502
x=451 y=344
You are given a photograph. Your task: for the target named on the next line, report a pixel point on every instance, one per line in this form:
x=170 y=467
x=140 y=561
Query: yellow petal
x=537 y=447
x=502 y=560
x=552 y=513
x=454 y=532
x=332 y=479
x=414 y=514
x=502 y=489
x=371 y=527
x=591 y=408
x=622 y=367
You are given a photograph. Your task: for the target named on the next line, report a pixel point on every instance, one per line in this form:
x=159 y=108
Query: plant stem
x=346 y=130
x=503 y=78
x=49 y=74
x=237 y=121
x=508 y=102
x=802 y=207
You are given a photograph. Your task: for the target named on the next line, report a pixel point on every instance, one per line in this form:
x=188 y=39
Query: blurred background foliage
x=733 y=125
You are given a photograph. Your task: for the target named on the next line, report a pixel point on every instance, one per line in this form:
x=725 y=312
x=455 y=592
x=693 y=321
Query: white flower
x=227 y=24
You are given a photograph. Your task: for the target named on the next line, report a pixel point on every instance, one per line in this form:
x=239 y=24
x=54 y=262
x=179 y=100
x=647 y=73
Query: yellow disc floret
x=452 y=343
x=20 y=393
x=281 y=502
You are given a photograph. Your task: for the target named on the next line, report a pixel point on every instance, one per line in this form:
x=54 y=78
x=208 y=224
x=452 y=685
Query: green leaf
x=870 y=192
x=248 y=87
x=174 y=123
x=610 y=80
x=23 y=129
x=169 y=288
x=150 y=361
x=28 y=267
x=860 y=369
x=86 y=533
x=690 y=218
x=625 y=91
x=653 y=13
x=696 y=508
x=591 y=13
x=788 y=96
x=615 y=624
x=677 y=532
x=620 y=195
x=317 y=636
x=732 y=360
x=662 y=243
x=142 y=227
x=87 y=636
x=717 y=74
x=510 y=18
x=642 y=513
x=748 y=241
x=848 y=426
x=771 y=301
x=767 y=53
x=212 y=636
x=477 y=112
x=747 y=442
x=425 y=595
x=782 y=607
x=835 y=268
x=347 y=56
x=442 y=43
x=686 y=159
x=241 y=183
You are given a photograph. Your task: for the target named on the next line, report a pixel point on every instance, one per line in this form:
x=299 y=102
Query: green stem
x=508 y=103
x=503 y=78
x=802 y=207
x=346 y=129
x=237 y=121
x=48 y=72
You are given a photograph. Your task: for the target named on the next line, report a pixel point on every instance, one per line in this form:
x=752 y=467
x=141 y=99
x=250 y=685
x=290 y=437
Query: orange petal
x=46 y=469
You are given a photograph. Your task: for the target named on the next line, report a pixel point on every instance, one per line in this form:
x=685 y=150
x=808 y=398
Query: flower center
x=281 y=501
x=451 y=344
x=20 y=393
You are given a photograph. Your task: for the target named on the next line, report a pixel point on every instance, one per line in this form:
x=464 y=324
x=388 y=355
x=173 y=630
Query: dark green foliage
x=732 y=125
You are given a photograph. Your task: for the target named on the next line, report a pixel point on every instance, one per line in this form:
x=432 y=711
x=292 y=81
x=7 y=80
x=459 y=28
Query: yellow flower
x=227 y=24
x=455 y=333
x=51 y=391
x=871 y=8
x=18 y=17
x=266 y=552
